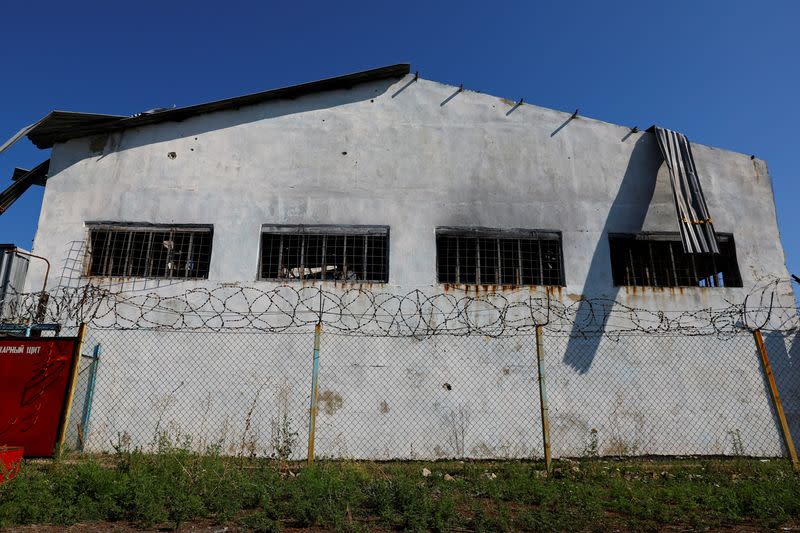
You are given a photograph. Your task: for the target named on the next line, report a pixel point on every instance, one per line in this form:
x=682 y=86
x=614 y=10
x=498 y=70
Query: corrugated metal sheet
x=697 y=229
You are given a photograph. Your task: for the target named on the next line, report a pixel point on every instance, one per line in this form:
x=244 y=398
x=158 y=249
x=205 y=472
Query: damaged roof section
x=56 y=123
x=60 y=126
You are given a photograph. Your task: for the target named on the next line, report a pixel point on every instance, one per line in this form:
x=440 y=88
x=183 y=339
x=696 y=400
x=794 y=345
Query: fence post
x=312 y=421
x=62 y=433
x=776 y=398
x=83 y=429
x=543 y=399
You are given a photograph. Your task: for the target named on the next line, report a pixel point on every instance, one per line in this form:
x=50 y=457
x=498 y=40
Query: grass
x=176 y=486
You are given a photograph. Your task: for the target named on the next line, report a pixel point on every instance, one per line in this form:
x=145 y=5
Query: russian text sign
x=35 y=380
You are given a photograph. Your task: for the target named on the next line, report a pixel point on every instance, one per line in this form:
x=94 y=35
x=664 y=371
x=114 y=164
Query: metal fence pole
x=543 y=399
x=312 y=421
x=776 y=399
x=83 y=430
x=71 y=389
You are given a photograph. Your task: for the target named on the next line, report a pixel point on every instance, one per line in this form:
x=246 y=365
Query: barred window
x=658 y=260
x=344 y=253
x=481 y=256
x=149 y=251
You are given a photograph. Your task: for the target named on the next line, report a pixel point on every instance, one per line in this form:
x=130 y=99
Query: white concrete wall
x=407 y=155
x=410 y=163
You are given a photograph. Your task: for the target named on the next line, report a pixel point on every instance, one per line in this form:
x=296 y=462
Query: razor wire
x=363 y=310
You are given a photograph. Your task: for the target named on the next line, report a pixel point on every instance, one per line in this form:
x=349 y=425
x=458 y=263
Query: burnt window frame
x=499 y=234
x=150 y=230
x=324 y=231
x=681 y=265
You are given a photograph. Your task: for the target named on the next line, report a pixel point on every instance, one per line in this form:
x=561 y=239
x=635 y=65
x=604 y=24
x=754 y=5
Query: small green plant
x=736 y=440
x=283 y=438
x=260 y=522
x=123 y=443
x=592 y=448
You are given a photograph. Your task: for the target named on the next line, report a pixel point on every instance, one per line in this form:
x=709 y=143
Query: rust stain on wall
x=384 y=407
x=331 y=401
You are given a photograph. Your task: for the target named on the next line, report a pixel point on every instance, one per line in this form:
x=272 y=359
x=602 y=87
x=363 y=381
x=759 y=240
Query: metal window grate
x=476 y=256
x=150 y=252
x=356 y=253
x=658 y=260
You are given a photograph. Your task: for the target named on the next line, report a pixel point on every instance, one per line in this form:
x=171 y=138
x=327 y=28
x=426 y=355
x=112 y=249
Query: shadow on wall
x=785 y=362
x=627 y=214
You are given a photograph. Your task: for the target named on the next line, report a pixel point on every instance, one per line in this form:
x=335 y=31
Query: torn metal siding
x=697 y=228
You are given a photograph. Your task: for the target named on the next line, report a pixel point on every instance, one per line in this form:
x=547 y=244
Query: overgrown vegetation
x=176 y=486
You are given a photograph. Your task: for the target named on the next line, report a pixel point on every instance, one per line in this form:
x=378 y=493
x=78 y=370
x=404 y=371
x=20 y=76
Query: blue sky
x=726 y=73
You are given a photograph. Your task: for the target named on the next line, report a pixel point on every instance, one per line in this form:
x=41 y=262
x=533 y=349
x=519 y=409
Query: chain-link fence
x=428 y=397
x=232 y=393
x=659 y=395
x=433 y=372
x=442 y=396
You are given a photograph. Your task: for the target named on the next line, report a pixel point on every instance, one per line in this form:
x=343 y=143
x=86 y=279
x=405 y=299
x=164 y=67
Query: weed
x=250 y=446
x=457 y=423
x=177 y=485
x=736 y=440
x=261 y=522
x=592 y=448
x=283 y=438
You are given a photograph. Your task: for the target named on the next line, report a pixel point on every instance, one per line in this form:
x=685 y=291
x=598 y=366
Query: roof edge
x=46 y=133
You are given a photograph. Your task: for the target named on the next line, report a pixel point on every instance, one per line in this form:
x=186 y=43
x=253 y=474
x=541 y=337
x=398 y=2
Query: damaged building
x=388 y=183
